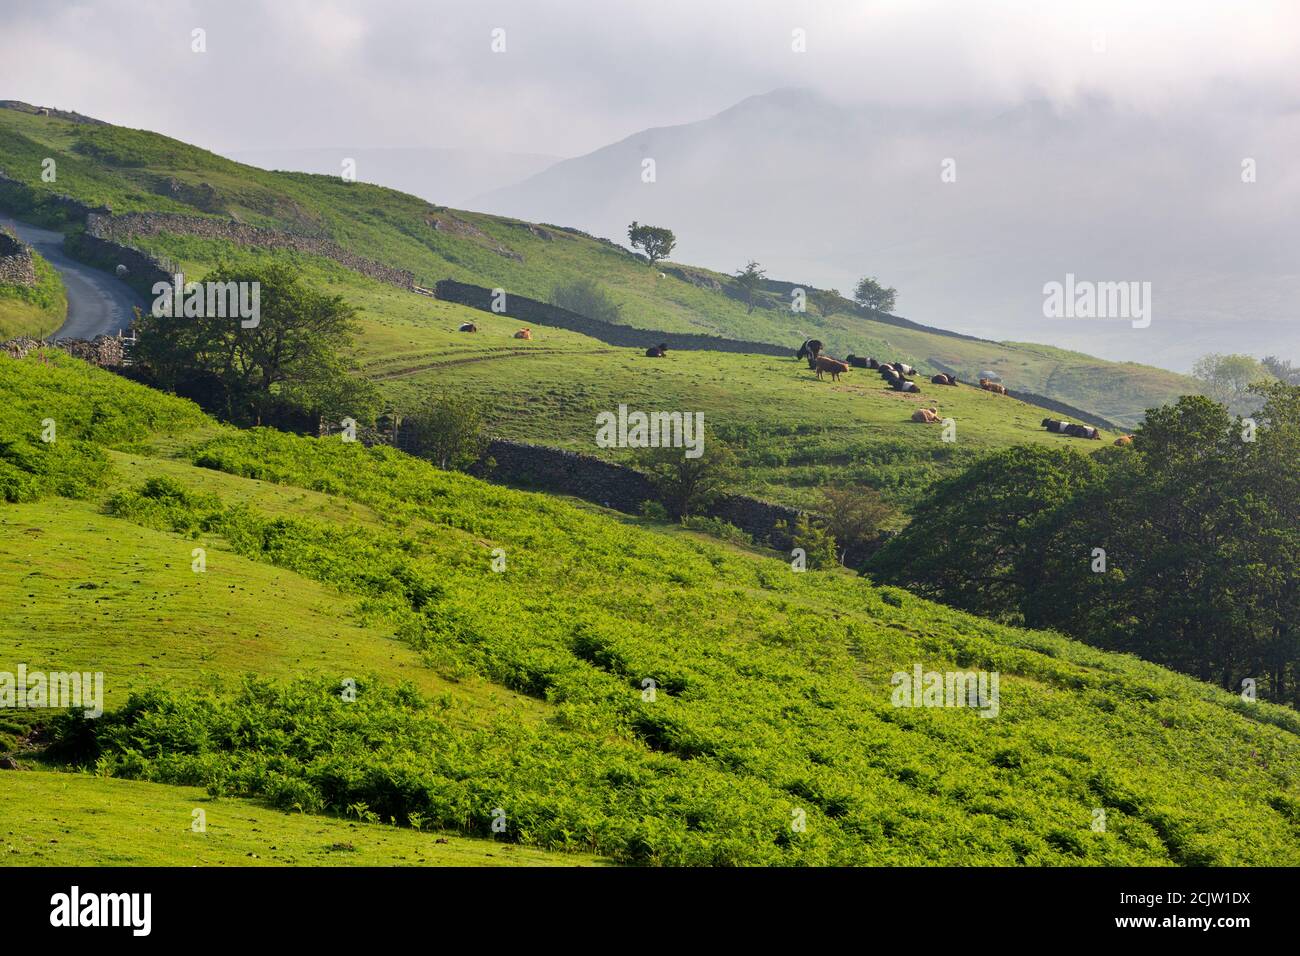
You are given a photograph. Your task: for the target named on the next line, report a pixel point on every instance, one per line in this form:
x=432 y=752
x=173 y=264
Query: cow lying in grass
x=942 y=379
x=524 y=334
x=1123 y=440
x=657 y=351
x=1069 y=428
x=834 y=366
x=895 y=380
x=857 y=361
x=993 y=387
x=468 y=327
x=927 y=415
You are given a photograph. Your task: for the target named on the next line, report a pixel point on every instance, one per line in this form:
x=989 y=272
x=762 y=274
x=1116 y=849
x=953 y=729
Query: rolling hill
x=617 y=690
x=1034 y=192
x=133 y=170
x=792 y=432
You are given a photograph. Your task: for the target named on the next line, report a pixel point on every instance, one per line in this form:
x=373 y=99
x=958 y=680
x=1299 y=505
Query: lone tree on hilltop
x=826 y=300
x=749 y=279
x=655 y=241
x=870 y=294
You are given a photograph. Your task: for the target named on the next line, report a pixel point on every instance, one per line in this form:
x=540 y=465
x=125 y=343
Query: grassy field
x=771 y=736
x=63 y=819
x=794 y=433
x=35 y=311
x=135 y=171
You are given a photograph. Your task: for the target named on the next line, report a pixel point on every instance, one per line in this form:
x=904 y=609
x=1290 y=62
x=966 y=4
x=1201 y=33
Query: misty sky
x=1190 y=87
x=578 y=74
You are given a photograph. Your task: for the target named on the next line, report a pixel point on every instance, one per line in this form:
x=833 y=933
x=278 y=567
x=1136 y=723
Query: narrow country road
x=98 y=302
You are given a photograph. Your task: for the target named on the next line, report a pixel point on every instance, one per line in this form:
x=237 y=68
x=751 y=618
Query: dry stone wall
x=107 y=351
x=16 y=264
x=132 y=225
x=554 y=470
x=531 y=311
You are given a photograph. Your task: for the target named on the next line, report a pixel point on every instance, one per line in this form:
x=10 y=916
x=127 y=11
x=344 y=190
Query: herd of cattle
x=899 y=375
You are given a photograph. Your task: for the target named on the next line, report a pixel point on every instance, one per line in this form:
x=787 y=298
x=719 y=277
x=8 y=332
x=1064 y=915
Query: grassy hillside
x=770 y=736
x=35 y=311
x=63 y=819
x=794 y=433
x=135 y=170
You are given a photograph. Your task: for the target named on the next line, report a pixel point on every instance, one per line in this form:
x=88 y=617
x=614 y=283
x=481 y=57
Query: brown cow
x=992 y=387
x=834 y=366
x=927 y=415
x=1123 y=440
x=524 y=334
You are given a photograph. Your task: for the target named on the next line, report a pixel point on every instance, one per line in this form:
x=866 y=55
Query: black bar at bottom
x=213 y=905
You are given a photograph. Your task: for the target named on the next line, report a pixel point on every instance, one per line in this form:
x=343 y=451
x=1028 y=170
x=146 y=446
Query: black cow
x=809 y=349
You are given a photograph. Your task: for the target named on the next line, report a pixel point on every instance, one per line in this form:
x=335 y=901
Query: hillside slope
x=768 y=734
x=826 y=189
x=793 y=433
x=139 y=171
x=33 y=310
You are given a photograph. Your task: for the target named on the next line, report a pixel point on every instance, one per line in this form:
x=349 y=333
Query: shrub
x=718 y=528
x=450 y=430
x=585 y=297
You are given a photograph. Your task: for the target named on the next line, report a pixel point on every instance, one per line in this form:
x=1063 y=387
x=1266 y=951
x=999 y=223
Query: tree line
x=1183 y=548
